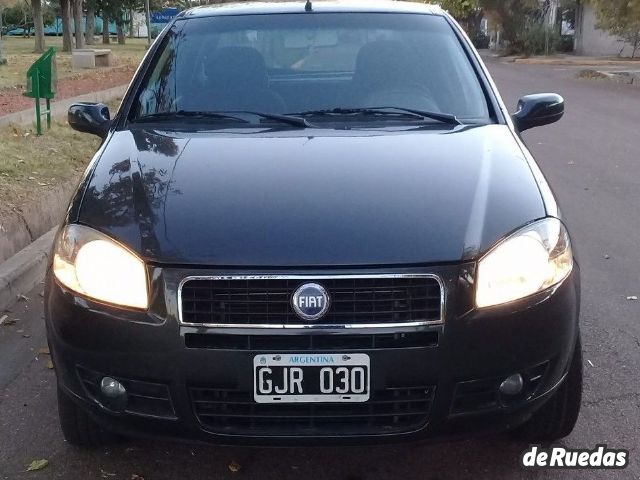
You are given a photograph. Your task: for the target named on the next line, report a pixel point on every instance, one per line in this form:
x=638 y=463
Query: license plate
x=311 y=377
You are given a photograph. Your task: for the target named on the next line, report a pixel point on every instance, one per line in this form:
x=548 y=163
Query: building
x=591 y=41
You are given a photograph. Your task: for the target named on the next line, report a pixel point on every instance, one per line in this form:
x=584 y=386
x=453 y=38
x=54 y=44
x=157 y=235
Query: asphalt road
x=592 y=160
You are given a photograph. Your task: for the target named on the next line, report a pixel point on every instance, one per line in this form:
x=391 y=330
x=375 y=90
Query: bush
x=480 y=40
x=533 y=41
x=565 y=45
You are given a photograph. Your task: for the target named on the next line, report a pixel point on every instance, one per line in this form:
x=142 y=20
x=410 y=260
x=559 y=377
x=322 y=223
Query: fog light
x=111 y=388
x=512 y=385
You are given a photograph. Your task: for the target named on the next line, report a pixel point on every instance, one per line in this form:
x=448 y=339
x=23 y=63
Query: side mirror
x=537 y=110
x=90 y=118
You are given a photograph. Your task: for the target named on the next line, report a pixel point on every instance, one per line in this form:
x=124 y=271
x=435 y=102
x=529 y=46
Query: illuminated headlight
x=90 y=263
x=531 y=260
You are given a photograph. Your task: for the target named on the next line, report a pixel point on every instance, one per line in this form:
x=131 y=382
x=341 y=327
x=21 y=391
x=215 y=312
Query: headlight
x=529 y=261
x=90 y=263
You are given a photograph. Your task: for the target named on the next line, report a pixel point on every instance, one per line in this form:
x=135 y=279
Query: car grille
x=234 y=412
x=354 y=300
x=316 y=343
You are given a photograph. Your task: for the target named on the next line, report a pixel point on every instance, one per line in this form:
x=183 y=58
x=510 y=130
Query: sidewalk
x=59 y=107
x=564 y=60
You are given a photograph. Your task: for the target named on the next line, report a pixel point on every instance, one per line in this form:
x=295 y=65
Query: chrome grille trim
x=334 y=326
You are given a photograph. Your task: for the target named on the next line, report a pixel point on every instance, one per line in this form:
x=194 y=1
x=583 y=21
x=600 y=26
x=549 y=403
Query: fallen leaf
x=26 y=335
x=632 y=297
x=23 y=298
x=6 y=321
x=44 y=351
x=49 y=364
x=37 y=465
x=234 y=467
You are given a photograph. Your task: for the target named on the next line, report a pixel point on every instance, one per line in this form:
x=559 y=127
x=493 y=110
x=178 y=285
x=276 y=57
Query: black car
x=308 y=222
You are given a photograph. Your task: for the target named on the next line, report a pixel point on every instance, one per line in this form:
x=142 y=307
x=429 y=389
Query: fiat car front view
x=312 y=221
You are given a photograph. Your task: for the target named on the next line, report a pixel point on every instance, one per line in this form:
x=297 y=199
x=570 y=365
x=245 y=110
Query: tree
x=38 y=23
x=77 y=23
x=65 y=13
x=460 y=9
x=104 y=7
x=90 y=29
x=513 y=15
x=3 y=60
x=20 y=15
x=468 y=13
x=620 y=18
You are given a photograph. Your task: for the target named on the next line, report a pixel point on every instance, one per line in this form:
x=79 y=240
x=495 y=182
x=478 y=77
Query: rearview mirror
x=537 y=110
x=90 y=118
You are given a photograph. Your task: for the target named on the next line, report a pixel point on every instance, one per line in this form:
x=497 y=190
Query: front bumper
x=456 y=366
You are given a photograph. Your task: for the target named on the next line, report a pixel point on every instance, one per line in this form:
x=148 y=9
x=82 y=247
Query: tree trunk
x=636 y=44
x=67 y=45
x=91 y=25
x=3 y=61
x=131 y=14
x=105 y=28
x=147 y=15
x=120 y=30
x=77 y=20
x=38 y=25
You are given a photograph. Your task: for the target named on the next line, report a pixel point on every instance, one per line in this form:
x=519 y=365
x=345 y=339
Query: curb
x=33 y=219
x=622 y=77
x=25 y=270
x=571 y=62
x=59 y=108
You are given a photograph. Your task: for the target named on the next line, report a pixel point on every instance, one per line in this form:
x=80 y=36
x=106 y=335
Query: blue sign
x=164 y=16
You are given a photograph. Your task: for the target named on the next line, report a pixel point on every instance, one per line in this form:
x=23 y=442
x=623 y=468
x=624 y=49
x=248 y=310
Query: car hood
x=313 y=198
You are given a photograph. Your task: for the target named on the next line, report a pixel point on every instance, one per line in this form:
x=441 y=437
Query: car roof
x=322 y=6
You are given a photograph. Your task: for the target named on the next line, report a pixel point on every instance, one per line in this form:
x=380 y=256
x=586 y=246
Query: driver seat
x=237 y=80
x=387 y=74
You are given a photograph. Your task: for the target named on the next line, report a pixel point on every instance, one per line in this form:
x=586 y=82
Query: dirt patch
x=591 y=74
x=12 y=100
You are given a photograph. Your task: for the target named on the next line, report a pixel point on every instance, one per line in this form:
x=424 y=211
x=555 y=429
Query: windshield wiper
x=180 y=114
x=235 y=115
x=288 y=119
x=414 y=113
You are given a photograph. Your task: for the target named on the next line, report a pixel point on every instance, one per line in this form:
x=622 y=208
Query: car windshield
x=309 y=64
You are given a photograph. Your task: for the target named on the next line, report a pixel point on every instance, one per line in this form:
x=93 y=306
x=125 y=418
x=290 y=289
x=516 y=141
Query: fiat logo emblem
x=310 y=301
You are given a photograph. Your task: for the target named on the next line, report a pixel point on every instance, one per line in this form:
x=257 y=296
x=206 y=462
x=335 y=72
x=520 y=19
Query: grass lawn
x=19 y=54
x=31 y=164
